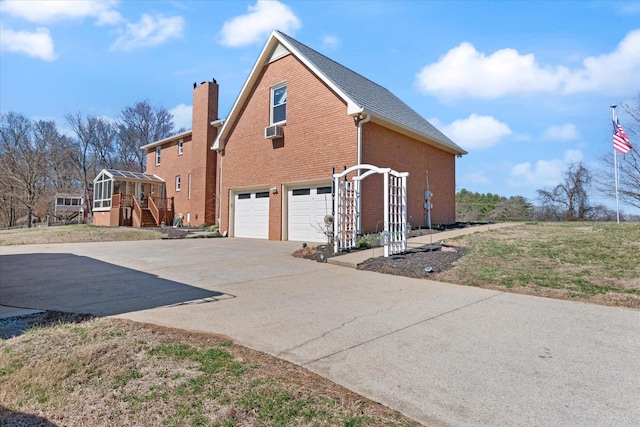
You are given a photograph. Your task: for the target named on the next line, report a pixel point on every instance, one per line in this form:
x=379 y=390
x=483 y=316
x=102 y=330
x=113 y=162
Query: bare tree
x=141 y=124
x=105 y=143
x=60 y=168
x=628 y=164
x=569 y=199
x=83 y=153
x=23 y=160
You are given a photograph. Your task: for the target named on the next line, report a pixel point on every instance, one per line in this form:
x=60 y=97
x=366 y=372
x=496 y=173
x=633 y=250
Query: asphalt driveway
x=440 y=353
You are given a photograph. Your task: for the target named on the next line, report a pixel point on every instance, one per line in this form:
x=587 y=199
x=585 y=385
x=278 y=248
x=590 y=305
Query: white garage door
x=252 y=215
x=307 y=208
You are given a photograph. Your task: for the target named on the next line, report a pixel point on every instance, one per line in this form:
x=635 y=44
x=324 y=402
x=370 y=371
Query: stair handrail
x=137 y=213
x=154 y=210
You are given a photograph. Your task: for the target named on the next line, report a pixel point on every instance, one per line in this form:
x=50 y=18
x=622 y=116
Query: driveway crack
x=388 y=333
x=329 y=332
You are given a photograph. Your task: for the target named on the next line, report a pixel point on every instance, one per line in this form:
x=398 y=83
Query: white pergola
x=346 y=223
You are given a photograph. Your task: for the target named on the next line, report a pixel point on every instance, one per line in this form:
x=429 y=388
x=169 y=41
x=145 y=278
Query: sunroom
x=122 y=198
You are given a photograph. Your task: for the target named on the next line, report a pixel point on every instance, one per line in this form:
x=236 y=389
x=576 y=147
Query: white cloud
x=465 y=72
x=330 y=42
x=565 y=132
x=48 y=11
x=150 y=31
x=182 y=116
x=544 y=172
x=617 y=72
x=264 y=17
x=475 y=131
x=37 y=44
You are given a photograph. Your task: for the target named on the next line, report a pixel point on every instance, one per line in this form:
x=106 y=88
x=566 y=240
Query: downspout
x=218 y=123
x=220 y=191
x=360 y=119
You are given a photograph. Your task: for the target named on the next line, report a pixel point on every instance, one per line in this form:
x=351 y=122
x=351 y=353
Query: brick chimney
x=203 y=160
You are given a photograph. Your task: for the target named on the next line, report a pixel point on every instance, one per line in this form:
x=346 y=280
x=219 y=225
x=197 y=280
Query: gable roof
x=361 y=95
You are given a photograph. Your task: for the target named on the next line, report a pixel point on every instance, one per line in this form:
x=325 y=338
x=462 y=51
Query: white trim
x=272 y=44
x=353 y=108
x=279 y=52
x=165 y=140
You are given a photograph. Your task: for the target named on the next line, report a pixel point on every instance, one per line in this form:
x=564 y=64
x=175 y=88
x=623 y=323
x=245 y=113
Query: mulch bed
x=419 y=263
x=422 y=262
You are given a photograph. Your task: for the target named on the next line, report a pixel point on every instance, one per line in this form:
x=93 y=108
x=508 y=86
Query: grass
x=598 y=262
x=107 y=372
x=74 y=233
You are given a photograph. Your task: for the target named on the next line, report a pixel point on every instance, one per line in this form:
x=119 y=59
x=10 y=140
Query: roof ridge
x=369 y=95
x=291 y=39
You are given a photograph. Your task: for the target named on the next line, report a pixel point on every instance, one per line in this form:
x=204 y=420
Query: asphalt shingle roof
x=369 y=95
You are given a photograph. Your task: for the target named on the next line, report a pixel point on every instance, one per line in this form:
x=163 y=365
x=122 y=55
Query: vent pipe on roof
x=360 y=119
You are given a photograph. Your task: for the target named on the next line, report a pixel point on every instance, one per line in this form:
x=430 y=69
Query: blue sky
x=524 y=87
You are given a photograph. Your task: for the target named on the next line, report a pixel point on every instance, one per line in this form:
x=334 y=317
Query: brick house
x=301 y=116
x=266 y=170
x=179 y=179
x=186 y=162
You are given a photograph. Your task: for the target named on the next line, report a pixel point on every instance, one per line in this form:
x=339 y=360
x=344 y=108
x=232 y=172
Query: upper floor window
x=158 y=152
x=180 y=147
x=178 y=182
x=279 y=103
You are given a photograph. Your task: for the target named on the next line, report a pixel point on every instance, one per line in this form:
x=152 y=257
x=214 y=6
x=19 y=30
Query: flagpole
x=615 y=167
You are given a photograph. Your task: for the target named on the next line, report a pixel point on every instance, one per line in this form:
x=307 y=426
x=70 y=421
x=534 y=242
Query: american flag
x=621 y=141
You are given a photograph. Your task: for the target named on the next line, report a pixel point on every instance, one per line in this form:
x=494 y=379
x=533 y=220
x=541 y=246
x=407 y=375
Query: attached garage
x=252 y=215
x=307 y=207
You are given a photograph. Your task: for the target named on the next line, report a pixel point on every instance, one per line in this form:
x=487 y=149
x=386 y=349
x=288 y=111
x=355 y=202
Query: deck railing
x=162 y=209
x=130 y=209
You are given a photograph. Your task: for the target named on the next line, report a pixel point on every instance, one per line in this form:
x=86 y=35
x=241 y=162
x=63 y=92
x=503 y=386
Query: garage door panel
x=252 y=215
x=307 y=210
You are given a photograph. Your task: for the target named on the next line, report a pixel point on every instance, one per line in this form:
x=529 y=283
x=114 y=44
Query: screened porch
x=122 y=198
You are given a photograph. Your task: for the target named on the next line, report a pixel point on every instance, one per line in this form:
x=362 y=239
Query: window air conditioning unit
x=273 y=132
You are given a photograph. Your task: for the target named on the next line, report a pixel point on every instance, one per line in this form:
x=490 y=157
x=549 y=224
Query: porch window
x=158 y=152
x=279 y=104
x=102 y=192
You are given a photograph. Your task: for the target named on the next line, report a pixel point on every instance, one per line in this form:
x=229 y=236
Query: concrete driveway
x=440 y=353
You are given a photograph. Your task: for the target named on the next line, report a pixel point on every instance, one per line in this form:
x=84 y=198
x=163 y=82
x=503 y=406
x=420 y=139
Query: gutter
x=165 y=140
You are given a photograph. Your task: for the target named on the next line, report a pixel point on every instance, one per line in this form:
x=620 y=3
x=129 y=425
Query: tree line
x=572 y=198
x=38 y=159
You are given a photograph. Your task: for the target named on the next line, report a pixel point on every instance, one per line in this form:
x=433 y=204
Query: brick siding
x=318 y=135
